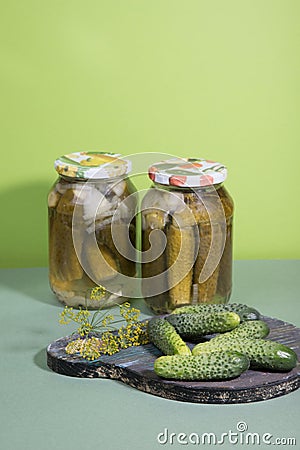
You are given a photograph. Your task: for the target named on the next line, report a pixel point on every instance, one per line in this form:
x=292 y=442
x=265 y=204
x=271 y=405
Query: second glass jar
x=188 y=258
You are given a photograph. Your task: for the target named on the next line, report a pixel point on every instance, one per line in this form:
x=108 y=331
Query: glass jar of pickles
x=92 y=193
x=186 y=235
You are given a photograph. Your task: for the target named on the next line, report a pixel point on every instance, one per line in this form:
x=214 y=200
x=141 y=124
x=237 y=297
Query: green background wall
x=217 y=79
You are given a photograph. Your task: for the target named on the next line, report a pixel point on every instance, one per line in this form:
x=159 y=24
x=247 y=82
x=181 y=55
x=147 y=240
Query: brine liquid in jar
x=89 y=204
x=186 y=235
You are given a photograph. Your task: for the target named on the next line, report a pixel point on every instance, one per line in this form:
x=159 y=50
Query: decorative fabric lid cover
x=188 y=172
x=97 y=165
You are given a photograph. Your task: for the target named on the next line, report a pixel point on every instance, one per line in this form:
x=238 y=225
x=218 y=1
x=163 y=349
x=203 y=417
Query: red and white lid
x=188 y=172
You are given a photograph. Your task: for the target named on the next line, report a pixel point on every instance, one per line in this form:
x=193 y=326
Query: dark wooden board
x=134 y=366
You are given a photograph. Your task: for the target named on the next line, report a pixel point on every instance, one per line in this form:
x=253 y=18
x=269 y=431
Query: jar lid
x=188 y=172
x=97 y=165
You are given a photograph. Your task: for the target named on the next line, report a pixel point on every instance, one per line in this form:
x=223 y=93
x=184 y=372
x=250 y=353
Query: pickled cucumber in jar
x=193 y=211
x=91 y=199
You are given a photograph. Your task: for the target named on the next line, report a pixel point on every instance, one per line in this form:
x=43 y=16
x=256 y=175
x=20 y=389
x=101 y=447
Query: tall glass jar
x=186 y=235
x=92 y=193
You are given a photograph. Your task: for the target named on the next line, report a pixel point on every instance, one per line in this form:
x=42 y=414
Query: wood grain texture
x=134 y=366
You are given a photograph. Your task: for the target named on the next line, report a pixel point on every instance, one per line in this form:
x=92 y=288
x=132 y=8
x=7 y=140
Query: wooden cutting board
x=134 y=366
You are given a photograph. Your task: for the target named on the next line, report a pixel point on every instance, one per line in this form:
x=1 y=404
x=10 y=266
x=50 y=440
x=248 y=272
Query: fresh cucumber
x=252 y=329
x=206 y=366
x=164 y=336
x=263 y=354
x=194 y=326
x=245 y=312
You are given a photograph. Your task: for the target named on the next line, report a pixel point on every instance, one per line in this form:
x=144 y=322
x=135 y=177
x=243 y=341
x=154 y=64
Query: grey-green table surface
x=42 y=410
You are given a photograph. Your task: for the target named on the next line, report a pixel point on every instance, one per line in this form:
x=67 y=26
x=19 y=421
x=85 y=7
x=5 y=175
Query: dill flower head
x=97 y=293
x=74 y=346
x=91 y=348
x=66 y=316
x=108 y=339
x=128 y=313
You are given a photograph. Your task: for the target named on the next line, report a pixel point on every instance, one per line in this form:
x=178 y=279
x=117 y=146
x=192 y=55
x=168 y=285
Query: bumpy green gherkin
x=164 y=336
x=263 y=354
x=245 y=312
x=194 y=326
x=207 y=366
x=253 y=329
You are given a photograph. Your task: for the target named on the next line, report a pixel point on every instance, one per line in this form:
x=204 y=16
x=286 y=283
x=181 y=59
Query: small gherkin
x=244 y=311
x=253 y=329
x=193 y=326
x=263 y=354
x=164 y=336
x=206 y=366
